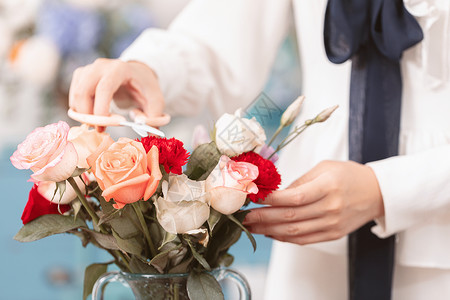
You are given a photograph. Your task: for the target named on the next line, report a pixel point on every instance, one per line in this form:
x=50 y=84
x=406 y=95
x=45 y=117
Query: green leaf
x=201 y=286
x=108 y=217
x=76 y=206
x=202 y=161
x=84 y=237
x=107 y=207
x=127 y=224
x=226 y=260
x=139 y=266
x=214 y=218
x=249 y=235
x=168 y=237
x=198 y=256
x=91 y=274
x=47 y=225
x=129 y=245
x=78 y=171
x=105 y=241
x=161 y=260
x=182 y=267
x=61 y=186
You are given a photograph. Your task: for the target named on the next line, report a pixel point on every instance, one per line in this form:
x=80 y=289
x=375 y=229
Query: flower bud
x=325 y=114
x=291 y=113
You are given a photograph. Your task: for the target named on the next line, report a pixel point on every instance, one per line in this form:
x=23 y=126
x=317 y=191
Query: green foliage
x=238 y=223
x=91 y=274
x=47 y=225
x=203 y=286
x=202 y=161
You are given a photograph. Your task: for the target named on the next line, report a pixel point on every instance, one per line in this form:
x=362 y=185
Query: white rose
x=184 y=207
x=236 y=135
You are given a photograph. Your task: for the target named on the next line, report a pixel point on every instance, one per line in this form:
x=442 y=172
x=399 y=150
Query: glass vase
x=165 y=286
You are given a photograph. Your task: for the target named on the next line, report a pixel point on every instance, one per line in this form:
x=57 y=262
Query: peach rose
x=124 y=171
x=47 y=153
x=85 y=141
x=229 y=183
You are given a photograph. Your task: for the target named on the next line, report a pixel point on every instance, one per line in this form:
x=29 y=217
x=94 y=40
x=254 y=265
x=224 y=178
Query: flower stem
x=287 y=140
x=86 y=205
x=94 y=216
x=176 y=291
x=145 y=229
x=275 y=135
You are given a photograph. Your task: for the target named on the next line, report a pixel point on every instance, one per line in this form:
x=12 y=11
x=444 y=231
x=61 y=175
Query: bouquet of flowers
x=133 y=199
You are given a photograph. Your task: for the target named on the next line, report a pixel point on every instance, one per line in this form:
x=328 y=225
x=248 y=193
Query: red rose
x=172 y=154
x=38 y=206
x=268 y=179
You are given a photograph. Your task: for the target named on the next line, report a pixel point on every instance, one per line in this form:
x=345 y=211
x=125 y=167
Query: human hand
x=95 y=85
x=330 y=201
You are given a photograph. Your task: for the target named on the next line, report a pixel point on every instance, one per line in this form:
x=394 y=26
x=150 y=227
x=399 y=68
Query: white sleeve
x=414 y=187
x=216 y=53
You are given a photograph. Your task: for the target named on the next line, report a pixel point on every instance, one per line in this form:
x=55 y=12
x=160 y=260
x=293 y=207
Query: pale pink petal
x=226 y=200
x=61 y=170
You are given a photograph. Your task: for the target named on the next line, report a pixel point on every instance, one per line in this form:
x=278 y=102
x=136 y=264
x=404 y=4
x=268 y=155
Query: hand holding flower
x=327 y=203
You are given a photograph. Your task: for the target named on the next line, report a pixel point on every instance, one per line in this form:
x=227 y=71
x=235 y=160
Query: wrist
x=376 y=195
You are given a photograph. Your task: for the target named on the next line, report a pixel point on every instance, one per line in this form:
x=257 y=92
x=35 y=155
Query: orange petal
x=128 y=191
x=151 y=188
x=155 y=172
x=153 y=163
x=106 y=142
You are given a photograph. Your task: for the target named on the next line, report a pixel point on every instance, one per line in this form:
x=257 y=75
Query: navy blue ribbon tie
x=373 y=34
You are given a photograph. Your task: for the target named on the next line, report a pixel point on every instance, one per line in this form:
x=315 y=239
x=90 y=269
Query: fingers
x=273 y=215
x=82 y=89
x=93 y=86
x=301 y=195
x=104 y=92
x=80 y=97
x=291 y=229
x=316 y=237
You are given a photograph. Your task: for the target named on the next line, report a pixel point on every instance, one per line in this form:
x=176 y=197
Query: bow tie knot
x=386 y=24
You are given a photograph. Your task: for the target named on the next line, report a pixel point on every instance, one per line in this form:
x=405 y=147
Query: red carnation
x=38 y=205
x=268 y=179
x=172 y=154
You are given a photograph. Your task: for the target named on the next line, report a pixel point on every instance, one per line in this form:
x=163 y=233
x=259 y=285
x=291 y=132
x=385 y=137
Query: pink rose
x=47 y=153
x=85 y=141
x=124 y=171
x=229 y=183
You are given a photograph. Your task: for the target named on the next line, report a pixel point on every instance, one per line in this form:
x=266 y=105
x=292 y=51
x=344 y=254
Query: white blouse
x=218 y=53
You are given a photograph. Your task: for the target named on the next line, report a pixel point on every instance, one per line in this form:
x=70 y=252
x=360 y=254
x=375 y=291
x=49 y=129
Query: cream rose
x=236 y=135
x=47 y=153
x=124 y=171
x=184 y=207
x=229 y=183
x=47 y=190
x=86 y=141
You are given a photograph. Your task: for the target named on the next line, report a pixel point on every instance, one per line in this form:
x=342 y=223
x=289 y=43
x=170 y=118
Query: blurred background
x=41 y=44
